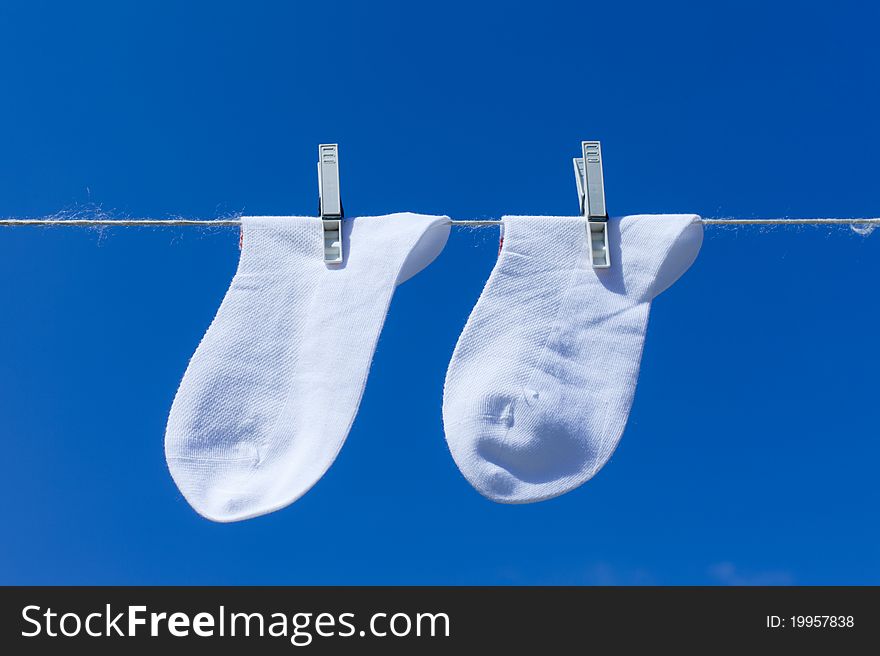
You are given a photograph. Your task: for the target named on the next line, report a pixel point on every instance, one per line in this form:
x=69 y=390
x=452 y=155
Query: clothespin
x=330 y=203
x=591 y=190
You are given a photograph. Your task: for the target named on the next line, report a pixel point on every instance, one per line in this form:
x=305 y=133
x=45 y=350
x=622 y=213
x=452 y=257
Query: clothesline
x=475 y=223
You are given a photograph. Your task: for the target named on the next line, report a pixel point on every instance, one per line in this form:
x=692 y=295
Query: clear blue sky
x=751 y=453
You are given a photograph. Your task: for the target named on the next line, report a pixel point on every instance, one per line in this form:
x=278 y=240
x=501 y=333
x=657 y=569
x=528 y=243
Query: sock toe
x=534 y=456
x=217 y=489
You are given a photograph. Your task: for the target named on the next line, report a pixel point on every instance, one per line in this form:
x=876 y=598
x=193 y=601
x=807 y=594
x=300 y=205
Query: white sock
x=542 y=379
x=271 y=392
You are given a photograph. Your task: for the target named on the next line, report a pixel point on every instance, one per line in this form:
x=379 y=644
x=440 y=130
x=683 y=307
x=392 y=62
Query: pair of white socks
x=537 y=393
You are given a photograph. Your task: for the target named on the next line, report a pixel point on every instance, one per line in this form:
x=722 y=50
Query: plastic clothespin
x=591 y=191
x=329 y=202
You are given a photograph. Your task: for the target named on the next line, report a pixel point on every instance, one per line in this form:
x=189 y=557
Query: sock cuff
x=649 y=252
x=269 y=243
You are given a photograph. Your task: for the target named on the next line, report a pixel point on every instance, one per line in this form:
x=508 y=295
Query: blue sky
x=751 y=452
